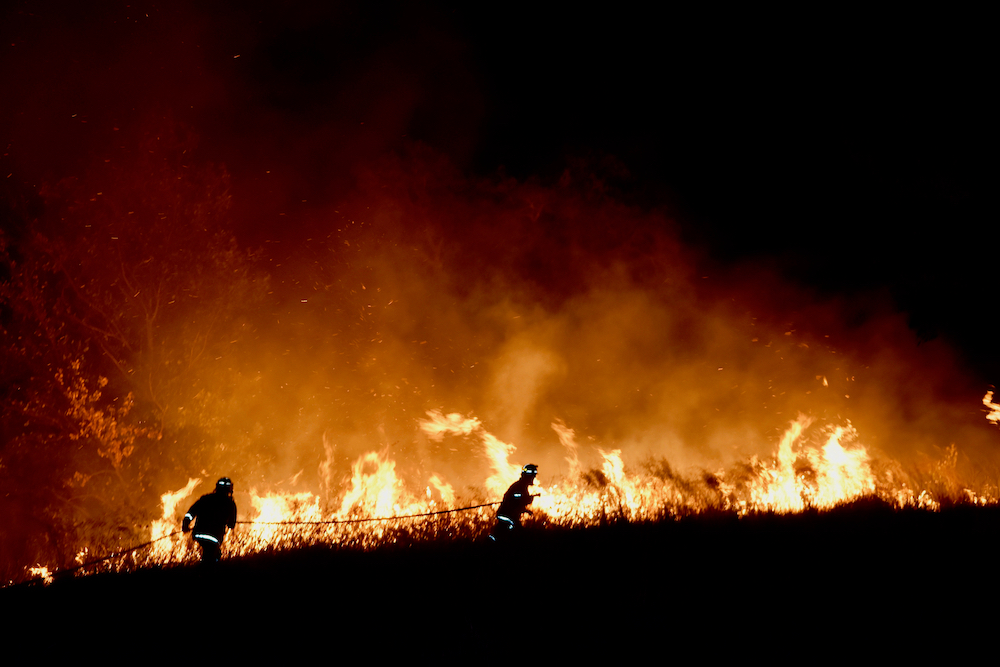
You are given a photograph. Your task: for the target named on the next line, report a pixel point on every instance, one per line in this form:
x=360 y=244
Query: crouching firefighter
x=515 y=503
x=212 y=514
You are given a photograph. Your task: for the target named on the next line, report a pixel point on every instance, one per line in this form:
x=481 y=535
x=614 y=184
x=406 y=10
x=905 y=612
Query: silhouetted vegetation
x=711 y=583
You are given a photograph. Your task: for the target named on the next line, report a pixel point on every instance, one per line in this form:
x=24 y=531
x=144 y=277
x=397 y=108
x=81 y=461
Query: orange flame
x=994 y=414
x=801 y=475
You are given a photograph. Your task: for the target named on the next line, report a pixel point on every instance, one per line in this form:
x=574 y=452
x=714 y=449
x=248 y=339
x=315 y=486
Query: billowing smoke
x=522 y=305
x=280 y=316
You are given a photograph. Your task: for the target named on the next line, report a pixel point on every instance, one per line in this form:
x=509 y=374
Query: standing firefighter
x=212 y=514
x=515 y=503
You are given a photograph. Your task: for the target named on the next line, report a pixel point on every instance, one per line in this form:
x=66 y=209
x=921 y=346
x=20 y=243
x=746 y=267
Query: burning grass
x=713 y=578
x=310 y=385
x=815 y=470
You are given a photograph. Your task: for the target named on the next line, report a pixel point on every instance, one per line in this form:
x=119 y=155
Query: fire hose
x=385 y=518
x=96 y=561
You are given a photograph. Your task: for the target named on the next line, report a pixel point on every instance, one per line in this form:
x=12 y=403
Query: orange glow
x=812 y=467
x=171 y=522
x=994 y=414
x=438 y=338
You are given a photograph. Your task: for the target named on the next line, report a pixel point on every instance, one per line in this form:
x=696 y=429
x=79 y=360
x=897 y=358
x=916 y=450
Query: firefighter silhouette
x=515 y=503
x=212 y=514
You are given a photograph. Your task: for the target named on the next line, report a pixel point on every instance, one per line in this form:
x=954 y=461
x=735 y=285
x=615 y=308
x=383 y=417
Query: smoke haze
x=310 y=186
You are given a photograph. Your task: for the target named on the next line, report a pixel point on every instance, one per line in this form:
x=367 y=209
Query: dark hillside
x=862 y=578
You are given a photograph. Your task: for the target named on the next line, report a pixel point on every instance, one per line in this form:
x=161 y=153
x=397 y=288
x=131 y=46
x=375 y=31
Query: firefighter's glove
x=186 y=526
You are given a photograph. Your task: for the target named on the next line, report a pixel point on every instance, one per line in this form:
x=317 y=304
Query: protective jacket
x=515 y=502
x=212 y=514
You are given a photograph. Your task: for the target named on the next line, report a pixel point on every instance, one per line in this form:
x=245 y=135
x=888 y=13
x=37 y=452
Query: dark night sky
x=846 y=147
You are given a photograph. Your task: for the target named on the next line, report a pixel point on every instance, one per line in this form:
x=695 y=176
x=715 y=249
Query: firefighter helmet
x=224 y=485
x=530 y=469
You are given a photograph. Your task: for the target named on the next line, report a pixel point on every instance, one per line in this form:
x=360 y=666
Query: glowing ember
x=41 y=572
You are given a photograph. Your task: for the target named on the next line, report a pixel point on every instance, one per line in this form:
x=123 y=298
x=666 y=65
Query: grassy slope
x=862 y=578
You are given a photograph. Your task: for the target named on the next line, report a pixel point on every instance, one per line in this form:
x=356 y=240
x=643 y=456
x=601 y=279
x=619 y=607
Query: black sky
x=848 y=148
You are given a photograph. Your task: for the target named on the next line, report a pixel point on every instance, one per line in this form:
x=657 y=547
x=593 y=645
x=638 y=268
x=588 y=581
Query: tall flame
x=800 y=475
x=170 y=521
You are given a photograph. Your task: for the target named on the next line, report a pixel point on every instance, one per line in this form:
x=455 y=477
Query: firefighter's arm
x=530 y=499
x=186 y=524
